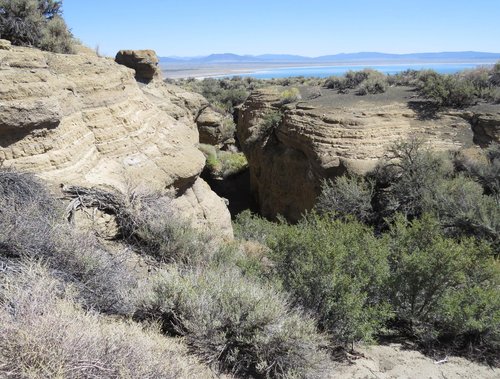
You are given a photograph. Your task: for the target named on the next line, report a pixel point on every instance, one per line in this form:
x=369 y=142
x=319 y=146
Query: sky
x=303 y=27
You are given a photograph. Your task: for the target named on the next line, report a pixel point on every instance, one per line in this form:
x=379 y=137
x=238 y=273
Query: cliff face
x=332 y=134
x=81 y=119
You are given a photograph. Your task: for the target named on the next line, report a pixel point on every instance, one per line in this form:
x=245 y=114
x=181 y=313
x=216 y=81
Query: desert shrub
x=234 y=324
x=290 y=95
x=495 y=75
x=432 y=276
x=366 y=81
x=346 y=196
x=31 y=226
x=411 y=174
x=232 y=163
x=35 y=23
x=156 y=230
x=373 y=85
x=56 y=37
x=222 y=163
x=46 y=334
x=446 y=90
x=334 y=82
x=228 y=129
x=463 y=209
x=251 y=227
x=269 y=122
x=404 y=78
x=336 y=270
x=486 y=171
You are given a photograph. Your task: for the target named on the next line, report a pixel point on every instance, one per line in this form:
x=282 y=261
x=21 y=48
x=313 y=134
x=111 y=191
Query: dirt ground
x=393 y=361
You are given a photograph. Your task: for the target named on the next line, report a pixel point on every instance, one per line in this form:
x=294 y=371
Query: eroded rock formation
x=334 y=134
x=143 y=62
x=84 y=120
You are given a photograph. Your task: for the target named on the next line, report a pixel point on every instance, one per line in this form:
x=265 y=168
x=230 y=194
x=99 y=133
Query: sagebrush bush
x=463 y=209
x=46 y=334
x=486 y=171
x=410 y=175
x=156 y=230
x=447 y=90
x=336 y=270
x=32 y=226
x=290 y=95
x=366 y=81
x=345 y=197
x=234 y=324
x=35 y=23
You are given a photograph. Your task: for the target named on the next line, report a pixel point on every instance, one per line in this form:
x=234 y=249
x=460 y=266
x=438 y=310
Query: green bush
x=484 y=170
x=223 y=164
x=269 y=122
x=336 y=270
x=290 y=95
x=35 y=23
x=372 y=86
x=432 y=278
x=447 y=90
x=234 y=324
x=463 y=209
x=366 y=81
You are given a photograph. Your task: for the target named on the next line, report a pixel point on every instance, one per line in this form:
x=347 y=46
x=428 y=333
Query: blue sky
x=305 y=27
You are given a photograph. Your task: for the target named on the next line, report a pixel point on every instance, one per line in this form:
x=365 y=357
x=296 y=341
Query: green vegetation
x=365 y=82
x=222 y=164
x=36 y=23
x=59 y=286
x=290 y=95
x=412 y=248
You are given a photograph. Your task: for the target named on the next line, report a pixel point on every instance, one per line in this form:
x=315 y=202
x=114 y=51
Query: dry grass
x=32 y=226
x=45 y=334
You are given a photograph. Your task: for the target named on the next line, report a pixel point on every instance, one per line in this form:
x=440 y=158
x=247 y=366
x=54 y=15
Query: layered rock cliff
x=84 y=120
x=332 y=134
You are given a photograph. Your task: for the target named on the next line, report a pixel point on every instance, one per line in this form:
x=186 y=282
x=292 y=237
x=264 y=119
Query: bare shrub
x=45 y=334
x=234 y=324
x=32 y=226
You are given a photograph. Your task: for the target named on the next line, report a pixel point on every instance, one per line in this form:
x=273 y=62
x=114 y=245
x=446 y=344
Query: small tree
x=35 y=23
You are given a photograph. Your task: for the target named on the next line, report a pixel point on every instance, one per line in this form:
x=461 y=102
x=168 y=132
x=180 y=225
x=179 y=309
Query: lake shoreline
x=279 y=70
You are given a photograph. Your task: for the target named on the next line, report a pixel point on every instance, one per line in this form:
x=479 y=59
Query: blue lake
x=325 y=71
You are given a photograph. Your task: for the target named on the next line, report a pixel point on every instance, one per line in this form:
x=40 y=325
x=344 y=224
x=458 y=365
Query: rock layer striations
x=334 y=134
x=85 y=120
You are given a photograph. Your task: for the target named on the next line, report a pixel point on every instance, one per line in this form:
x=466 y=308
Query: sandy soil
x=392 y=361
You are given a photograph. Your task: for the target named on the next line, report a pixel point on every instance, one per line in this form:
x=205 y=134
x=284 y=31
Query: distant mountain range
x=458 y=56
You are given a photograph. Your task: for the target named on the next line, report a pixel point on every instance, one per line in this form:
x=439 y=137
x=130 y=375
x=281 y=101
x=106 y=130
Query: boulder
x=213 y=127
x=144 y=62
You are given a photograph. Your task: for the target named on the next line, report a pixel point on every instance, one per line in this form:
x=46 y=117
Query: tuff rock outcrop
x=143 y=62
x=213 y=128
x=84 y=120
x=335 y=134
